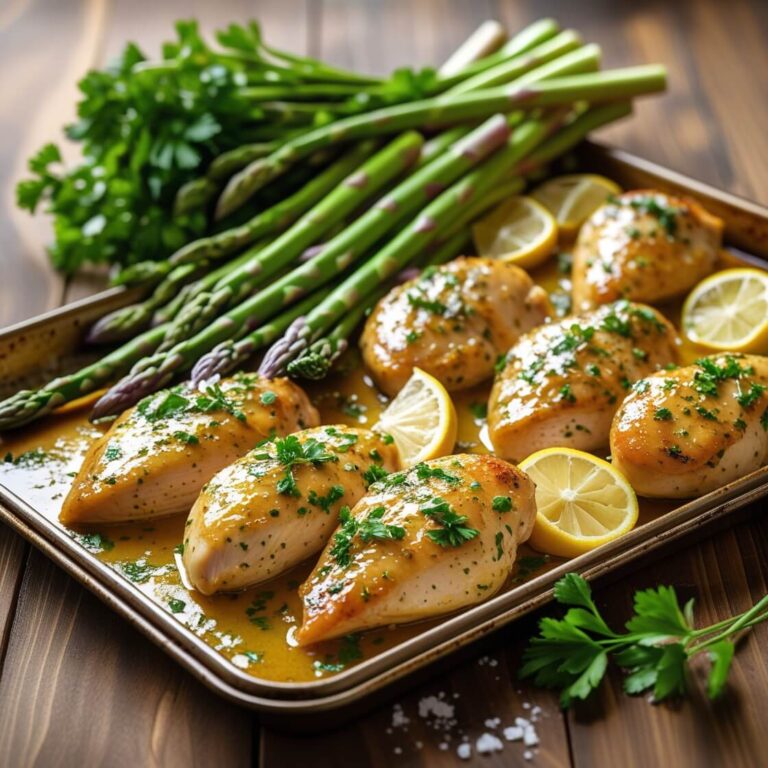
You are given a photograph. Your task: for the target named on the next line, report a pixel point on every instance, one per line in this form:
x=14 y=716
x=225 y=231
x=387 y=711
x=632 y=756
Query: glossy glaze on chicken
x=561 y=384
x=436 y=538
x=643 y=246
x=685 y=432
x=156 y=457
x=452 y=321
x=278 y=504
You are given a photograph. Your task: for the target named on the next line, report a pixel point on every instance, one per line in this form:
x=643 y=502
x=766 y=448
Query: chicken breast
x=279 y=504
x=439 y=537
x=452 y=321
x=643 y=246
x=561 y=384
x=157 y=456
x=683 y=433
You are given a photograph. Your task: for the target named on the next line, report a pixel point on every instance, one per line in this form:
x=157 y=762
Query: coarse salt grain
x=492 y=722
x=528 y=754
x=513 y=733
x=530 y=737
x=432 y=705
x=464 y=751
x=488 y=744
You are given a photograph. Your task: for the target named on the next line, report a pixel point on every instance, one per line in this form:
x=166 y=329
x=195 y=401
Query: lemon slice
x=421 y=419
x=729 y=311
x=582 y=501
x=573 y=199
x=519 y=230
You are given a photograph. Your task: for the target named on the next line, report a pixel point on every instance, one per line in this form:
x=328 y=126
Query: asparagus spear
x=28 y=405
x=411 y=240
x=518 y=65
x=127 y=321
x=259 y=338
x=527 y=38
x=591 y=87
x=317 y=222
x=154 y=372
x=274 y=219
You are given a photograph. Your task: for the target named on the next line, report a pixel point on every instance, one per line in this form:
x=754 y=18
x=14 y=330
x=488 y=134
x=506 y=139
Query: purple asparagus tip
x=409 y=273
x=215 y=363
x=127 y=392
x=288 y=347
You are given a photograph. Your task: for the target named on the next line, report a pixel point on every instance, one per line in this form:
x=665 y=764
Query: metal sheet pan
x=52 y=340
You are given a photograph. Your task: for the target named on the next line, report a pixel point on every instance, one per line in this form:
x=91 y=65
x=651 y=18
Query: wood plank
x=726 y=575
x=81 y=687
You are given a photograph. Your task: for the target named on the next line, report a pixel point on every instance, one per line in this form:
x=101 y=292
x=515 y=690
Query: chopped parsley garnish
x=412 y=337
x=566 y=393
x=176 y=605
x=479 y=410
x=369 y=528
x=335 y=493
x=113 y=452
x=267 y=398
x=711 y=374
x=666 y=215
x=374 y=474
x=173 y=403
x=186 y=438
x=706 y=413
x=751 y=396
x=453 y=531
x=501 y=504
x=424 y=472
x=662 y=414
x=435 y=307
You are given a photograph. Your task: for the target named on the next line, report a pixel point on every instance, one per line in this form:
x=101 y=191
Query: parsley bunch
x=148 y=127
x=572 y=653
x=367 y=529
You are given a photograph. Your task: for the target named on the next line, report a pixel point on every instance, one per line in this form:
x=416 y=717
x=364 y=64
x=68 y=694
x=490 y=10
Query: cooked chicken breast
x=441 y=536
x=452 y=321
x=157 y=455
x=562 y=383
x=685 y=432
x=279 y=504
x=643 y=246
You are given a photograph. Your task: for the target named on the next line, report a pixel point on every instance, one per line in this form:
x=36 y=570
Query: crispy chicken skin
x=399 y=558
x=452 y=321
x=156 y=457
x=562 y=383
x=276 y=506
x=643 y=246
x=685 y=432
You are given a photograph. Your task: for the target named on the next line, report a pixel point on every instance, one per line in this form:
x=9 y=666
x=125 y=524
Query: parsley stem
x=755 y=615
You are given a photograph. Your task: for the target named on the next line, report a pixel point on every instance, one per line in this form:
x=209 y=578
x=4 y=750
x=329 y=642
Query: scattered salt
x=530 y=737
x=513 y=733
x=528 y=754
x=492 y=722
x=464 y=751
x=399 y=718
x=488 y=744
x=443 y=746
x=432 y=705
x=398 y=750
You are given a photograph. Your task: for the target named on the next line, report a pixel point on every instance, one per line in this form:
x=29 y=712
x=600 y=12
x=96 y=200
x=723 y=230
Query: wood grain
x=78 y=686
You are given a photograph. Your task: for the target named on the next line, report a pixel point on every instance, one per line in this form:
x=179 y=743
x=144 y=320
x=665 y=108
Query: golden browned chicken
x=441 y=536
x=685 y=432
x=561 y=384
x=279 y=504
x=452 y=321
x=157 y=456
x=643 y=246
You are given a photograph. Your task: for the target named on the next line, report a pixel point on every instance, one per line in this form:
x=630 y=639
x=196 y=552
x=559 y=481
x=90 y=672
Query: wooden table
x=80 y=687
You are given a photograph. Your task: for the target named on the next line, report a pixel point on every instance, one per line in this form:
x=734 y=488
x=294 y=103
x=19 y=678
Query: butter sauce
x=253 y=628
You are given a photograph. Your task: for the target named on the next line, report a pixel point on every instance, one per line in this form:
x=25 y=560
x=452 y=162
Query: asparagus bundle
x=213 y=304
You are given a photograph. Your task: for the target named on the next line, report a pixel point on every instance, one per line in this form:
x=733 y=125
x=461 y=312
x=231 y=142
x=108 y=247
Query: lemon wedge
x=519 y=231
x=582 y=501
x=728 y=311
x=574 y=198
x=421 y=419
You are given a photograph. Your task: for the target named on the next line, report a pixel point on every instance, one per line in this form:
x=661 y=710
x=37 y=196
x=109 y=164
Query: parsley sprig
x=572 y=653
x=367 y=529
x=452 y=532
